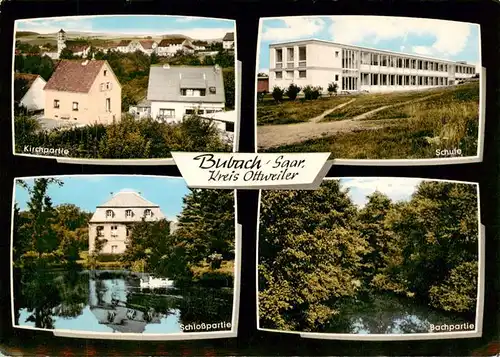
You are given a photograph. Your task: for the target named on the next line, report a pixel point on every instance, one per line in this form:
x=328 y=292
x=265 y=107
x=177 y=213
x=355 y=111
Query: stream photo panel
x=124 y=88
x=371 y=89
x=124 y=257
x=372 y=258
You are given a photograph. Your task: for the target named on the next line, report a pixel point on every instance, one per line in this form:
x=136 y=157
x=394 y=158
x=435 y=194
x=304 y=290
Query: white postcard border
x=478 y=325
x=137 y=336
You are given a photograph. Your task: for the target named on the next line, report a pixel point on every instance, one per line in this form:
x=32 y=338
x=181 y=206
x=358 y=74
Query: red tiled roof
x=73 y=76
x=147 y=44
x=124 y=43
x=170 y=41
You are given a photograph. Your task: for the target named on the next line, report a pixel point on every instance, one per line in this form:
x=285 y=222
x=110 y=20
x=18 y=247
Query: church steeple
x=61 y=41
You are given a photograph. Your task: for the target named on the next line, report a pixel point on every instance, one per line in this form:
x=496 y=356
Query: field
x=406 y=125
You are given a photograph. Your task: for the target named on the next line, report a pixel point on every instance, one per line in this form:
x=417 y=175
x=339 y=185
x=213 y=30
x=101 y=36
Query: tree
x=66 y=53
x=262 y=74
x=332 y=88
x=225 y=59
x=292 y=91
x=153 y=58
x=20 y=89
x=278 y=94
x=229 y=87
x=206 y=225
x=310 y=255
x=208 y=61
x=373 y=228
x=41 y=216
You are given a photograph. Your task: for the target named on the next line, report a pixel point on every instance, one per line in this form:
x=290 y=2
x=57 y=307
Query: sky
x=396 y=188
x=196 y=28
x=87 y=192
x=450 y=40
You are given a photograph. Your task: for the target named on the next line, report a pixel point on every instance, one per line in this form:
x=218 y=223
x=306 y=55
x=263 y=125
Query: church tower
x=61 y=41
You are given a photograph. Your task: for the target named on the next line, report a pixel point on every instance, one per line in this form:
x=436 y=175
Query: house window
x=128 y=230
x=190 y=111
x=108 y=104
x=302 y=74
x=279 y=58
x=336 y=54
x=110 y=213
x=100 y=230
x=105 y=72
x=148 y=213
x=108 y=85
x=129 y=213
x=167 y=113
x=336 y=77
x=212 y=90
x=114 y=231
x=302 y=56
x=230 y=127
x=75 y=106
x=279 y=75
x=193 y=92
x=56 y=103
x=114 y=248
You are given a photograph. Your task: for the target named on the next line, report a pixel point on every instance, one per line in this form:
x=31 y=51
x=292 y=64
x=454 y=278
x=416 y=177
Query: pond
x=389 y=314
x=115 y=301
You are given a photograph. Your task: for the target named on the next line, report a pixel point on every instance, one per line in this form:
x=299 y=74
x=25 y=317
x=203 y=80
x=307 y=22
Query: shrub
x=107 y=257
x=312 y=93
x=292 y=91
x=278 y=94
x=261 y=95
x=332 y=88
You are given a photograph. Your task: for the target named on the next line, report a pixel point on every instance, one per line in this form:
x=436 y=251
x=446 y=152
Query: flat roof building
x=353 y=68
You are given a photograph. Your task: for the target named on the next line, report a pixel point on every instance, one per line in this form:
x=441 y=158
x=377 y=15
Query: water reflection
x=387 y=314
x=113 y=301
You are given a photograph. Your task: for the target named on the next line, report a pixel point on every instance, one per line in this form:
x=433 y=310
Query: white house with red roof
x=83 y=91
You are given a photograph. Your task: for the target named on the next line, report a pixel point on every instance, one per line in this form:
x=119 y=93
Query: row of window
x=351 y=59
x=185 y=92
x=128 y=213
x=170 y=113
x=290 y=74
x=114 y=231
x=402 y=80
x=75 y=105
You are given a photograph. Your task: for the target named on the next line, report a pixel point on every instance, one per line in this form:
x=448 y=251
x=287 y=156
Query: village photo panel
x=371 y=89
x=373 y=259
x=124 y=88
x=126 y=257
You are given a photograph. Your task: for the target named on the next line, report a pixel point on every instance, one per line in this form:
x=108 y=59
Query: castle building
x=319 y=63
x=113 y=220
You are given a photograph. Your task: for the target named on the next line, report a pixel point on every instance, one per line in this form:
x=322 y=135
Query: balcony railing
x=289 y=65
x=302 y=63
x=279 y=65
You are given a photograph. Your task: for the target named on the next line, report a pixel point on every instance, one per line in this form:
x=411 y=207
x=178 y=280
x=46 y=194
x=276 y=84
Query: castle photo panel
x=124 y=257
x=371 y=89
x=111 y=87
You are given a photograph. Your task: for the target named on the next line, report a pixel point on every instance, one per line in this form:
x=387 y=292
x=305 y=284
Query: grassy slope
x=453 y=117
x=288 y=112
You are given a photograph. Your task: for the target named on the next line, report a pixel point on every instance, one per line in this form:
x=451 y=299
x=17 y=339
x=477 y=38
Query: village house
x=113 y=220
x=128 y=46
x=147 y=46
x=28 y=91
x=228 y=41
x=200 y=45
x=170 y=46
x=263 y=84
x=84 y=91
x=141 y=109
x=177 y=91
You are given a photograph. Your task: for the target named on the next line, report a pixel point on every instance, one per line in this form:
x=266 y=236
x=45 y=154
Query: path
x=371 y=112
x=284 y=134
x=329 y=111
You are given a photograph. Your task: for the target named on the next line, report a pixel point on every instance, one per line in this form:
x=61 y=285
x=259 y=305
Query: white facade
x=171 y=49
x=34 y=99
x=352 y=68
x=172 y=112
x=129 y=47
x=113 y=220
x=227 y=45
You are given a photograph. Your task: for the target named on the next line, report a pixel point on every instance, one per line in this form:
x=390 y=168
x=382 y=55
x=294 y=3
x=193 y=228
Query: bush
x=278 y=94
x=312 y=93
x=292 y=91
x=332 y=88
x=107 y=257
